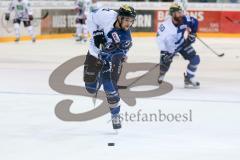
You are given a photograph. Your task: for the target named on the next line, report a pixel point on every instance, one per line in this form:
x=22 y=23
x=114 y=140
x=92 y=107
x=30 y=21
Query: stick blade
x=221 y=55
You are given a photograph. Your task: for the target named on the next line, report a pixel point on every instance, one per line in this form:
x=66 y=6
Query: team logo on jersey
x=161 y=28
x=19 y=7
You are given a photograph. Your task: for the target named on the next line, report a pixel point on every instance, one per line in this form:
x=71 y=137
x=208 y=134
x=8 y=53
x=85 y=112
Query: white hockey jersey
x=103 y=19
x=168 y=36
x=22 y=9
x=172 y=38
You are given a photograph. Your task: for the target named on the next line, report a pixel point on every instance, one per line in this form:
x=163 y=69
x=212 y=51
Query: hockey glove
x=166 y=57
x=191 y=39
x=99 y=38
x=104 y=57
x=30 y=17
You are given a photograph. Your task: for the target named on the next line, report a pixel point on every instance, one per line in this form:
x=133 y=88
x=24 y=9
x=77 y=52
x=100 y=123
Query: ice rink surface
x=29 y=128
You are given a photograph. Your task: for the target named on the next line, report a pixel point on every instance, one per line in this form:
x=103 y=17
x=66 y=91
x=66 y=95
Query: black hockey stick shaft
x=43 y=17
x=136 y=80
x=233 y=21
x=213 y=51
x=229 y=19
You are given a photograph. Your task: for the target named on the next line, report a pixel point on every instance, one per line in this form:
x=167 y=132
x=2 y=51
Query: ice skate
x=191 y=82
x=33 y=40
x=161 y=78
x=116 y=121
x=17 y=40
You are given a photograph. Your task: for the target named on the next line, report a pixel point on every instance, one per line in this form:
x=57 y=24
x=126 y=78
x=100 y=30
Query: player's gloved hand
x=30 y=17
x=7 y=16
x=166 y=57
x=110 y=47
x=191 y=39
x=99 y=38
x=104 y=57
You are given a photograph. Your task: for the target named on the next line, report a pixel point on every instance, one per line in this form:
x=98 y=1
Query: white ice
x=29 y=129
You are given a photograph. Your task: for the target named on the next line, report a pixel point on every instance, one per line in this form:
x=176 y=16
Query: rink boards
x=215 y=20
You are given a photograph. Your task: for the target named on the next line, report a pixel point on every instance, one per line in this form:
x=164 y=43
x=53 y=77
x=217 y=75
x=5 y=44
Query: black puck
x=111 y=144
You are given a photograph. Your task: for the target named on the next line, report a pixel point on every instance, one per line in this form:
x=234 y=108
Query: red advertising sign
x=209 y=21
x=230 y=22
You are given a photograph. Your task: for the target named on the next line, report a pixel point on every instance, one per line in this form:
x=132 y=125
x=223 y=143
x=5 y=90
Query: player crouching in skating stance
x=110 y=42
x=176 y=34
x=23 y=13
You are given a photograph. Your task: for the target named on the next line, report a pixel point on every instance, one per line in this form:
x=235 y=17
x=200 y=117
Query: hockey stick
x=43 y=17
x=213 y=51
x=36 y=21
x=233 y=21
x=127 y=86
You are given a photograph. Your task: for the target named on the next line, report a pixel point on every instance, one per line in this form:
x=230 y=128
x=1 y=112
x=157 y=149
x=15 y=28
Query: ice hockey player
x=109 y=44
x=81 y=27
x=93 y=6
x=23 y=13
x=176 y=35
